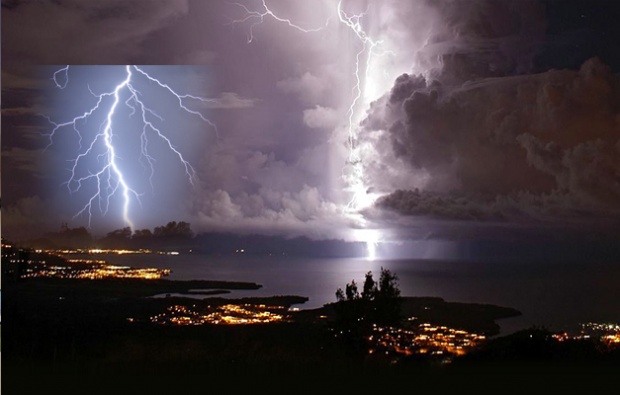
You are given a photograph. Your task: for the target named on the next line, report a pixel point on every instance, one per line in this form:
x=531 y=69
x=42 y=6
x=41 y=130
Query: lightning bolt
x=65 y=71
x=355 y=179
x=109 y=179
x=353 y=172
x=258 y=18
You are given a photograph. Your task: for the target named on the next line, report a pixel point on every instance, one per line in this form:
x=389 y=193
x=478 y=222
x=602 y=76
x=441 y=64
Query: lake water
x=554 y=295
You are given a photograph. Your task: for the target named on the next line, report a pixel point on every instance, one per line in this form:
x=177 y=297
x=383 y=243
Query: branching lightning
x=356 y=180
x=354 y=171
x=258 y=18
x=109 y=179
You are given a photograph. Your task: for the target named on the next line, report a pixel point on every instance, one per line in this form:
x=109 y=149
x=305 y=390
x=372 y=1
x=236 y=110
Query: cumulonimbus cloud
x=497 y=148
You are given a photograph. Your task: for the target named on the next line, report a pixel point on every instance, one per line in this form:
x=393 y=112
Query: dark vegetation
x=472 y=317
x=378 y=303
x=535 y=351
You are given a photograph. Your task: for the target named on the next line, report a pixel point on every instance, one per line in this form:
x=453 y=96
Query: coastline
x=133 y=297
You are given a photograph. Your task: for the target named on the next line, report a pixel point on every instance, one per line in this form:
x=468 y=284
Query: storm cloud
x=458 y=122
x=481 y=38
x=75 y=32
x=496 y=148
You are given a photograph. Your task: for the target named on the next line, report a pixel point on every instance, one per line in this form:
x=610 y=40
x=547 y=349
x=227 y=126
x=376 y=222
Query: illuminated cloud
x=271 y=211
x=309 y=87
x=322 y=117
x=499 y=148
x=471 y=131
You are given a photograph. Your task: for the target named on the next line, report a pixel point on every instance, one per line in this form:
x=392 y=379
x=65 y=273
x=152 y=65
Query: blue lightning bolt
x=355 y=180
x=64 y=70
x=109 y=179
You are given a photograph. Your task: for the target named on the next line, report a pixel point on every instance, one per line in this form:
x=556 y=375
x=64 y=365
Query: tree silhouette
x=351 y=291
x=340 y=295
x=379 y=303
x=120 y=234
x=387 y=300
x=370 y=287
x=143 y=234
x=175 y=230
x=71 y=237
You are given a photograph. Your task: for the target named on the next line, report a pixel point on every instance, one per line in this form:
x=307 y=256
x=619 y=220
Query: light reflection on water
x=553 y=295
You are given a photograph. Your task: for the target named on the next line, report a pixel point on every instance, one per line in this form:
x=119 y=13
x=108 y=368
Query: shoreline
x=150 y=295
x=111 y=326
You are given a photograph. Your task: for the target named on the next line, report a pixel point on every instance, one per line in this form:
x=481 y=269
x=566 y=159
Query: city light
x=423 y=339
x=607 y=333
x=230 y=314
x=98 y=272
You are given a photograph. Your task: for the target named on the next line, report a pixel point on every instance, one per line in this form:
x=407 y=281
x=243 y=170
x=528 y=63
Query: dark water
x=554 y=295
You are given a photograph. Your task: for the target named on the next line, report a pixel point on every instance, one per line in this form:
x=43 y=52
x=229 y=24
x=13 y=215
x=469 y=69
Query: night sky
x=477 y=120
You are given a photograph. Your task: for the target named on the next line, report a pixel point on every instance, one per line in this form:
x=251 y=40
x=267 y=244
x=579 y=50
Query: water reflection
x=548 y=294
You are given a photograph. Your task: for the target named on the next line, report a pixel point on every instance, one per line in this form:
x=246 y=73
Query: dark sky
x=476 y=119
x=578 y=30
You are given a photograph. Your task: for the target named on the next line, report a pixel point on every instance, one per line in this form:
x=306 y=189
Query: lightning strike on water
x=355 y=179
x=110 y=178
